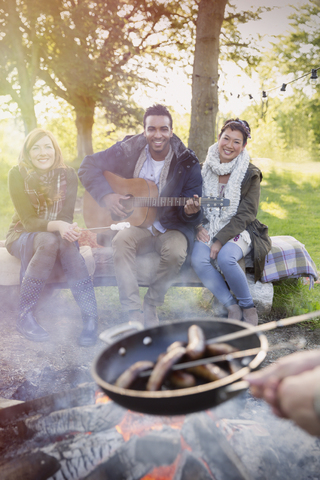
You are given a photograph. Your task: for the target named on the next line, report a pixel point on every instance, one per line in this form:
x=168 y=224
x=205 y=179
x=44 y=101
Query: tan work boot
x=150 y=315
x=135 y=316
x=234 y=312
x=250 y=315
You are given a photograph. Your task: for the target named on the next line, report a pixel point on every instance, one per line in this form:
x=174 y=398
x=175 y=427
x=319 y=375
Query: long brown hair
x=31 y=139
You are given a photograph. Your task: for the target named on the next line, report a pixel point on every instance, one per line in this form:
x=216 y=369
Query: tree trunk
x=26 y=61
x=204 y=104
x=84 y=124
x=28 y=114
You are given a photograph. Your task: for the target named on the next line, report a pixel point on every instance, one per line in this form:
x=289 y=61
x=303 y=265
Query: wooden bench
x=100 y=266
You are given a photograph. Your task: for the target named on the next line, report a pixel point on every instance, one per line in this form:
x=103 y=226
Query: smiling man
x=157 y=155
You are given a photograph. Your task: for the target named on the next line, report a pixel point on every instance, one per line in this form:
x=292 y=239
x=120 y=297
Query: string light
x=314 y=76
x=313 y=79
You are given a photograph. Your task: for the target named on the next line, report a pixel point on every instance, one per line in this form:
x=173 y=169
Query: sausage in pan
x=163 y=367
x=210 y=372
x=176 y=344
x=219 y=349
x=197 y=342
x=131 y=374
x=182 y=379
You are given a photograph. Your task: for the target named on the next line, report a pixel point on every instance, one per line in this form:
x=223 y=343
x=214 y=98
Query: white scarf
x=211 y=170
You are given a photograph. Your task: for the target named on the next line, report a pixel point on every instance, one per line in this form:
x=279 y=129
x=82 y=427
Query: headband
x=241 y=123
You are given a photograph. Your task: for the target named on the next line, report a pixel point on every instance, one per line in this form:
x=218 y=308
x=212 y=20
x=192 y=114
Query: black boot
x=83 y=293
x=89 y=334
x=30 y=329
x=27 y=325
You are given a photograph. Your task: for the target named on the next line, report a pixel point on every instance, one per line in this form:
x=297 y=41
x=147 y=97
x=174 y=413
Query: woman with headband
x=230 y=233
x=44 y=191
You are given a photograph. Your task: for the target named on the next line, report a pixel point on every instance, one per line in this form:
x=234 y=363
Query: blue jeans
x=227 y=259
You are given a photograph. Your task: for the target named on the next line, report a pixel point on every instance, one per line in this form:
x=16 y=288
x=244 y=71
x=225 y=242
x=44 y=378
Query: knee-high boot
x=27 y=325
x=83 y=293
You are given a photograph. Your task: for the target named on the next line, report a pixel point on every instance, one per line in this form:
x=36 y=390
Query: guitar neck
x=178 y=201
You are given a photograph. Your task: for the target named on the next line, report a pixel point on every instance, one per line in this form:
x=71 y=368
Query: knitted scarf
x=211 y=170
x=47 y=191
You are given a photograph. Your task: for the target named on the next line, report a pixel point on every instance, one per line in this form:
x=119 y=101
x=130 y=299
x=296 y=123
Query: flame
x=185 y=445
x=134 y=423
x=101 y=398
x=166 y=472
x=138 y=424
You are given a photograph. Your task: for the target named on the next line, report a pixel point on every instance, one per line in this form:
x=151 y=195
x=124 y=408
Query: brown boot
x=234 y=312
x=250 y=315
x=150 y=315
x=135 y=316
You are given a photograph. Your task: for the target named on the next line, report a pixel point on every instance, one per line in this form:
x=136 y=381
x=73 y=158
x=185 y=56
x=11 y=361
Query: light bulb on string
x=264 y=96
x=283 y=88
x=314 y=76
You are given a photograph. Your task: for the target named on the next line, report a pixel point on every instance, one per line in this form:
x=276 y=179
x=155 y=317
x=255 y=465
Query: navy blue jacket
x=184 y=178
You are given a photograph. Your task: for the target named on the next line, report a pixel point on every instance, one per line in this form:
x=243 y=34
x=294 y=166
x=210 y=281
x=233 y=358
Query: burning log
x=37 y=465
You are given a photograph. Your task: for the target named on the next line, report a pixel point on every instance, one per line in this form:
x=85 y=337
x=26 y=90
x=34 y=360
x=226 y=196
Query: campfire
x=82 y=434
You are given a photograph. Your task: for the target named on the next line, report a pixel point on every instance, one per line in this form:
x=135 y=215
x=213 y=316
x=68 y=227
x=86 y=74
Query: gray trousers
x=172 y=248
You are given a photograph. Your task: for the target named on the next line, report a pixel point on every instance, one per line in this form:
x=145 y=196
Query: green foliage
x=295 y=54
x=294 y=298
x=286 y=132
x=300 y=48
x=6 y=207
x=11 y=138
x=235 y=48
x=61 y=122
x=181 y=125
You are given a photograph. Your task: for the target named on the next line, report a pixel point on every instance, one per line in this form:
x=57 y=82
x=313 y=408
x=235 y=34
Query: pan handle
x=232 y=390
x=109 y=336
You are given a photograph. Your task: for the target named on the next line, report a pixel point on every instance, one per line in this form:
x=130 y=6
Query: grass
x=292 y=297
x=289 y=205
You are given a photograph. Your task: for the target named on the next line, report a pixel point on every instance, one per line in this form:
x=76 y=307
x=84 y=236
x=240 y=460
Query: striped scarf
x=47 y=191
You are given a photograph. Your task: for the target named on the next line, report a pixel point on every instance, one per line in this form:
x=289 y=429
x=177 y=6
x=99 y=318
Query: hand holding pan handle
x=230 y=391
x=110 y=335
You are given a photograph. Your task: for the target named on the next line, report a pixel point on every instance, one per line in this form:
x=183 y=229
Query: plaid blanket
x=288 y=258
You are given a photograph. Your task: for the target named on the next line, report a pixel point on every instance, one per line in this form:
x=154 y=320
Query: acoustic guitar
x=141 y=206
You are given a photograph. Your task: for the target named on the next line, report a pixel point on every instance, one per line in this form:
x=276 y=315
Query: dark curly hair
x=237 y=124
x=157 y=110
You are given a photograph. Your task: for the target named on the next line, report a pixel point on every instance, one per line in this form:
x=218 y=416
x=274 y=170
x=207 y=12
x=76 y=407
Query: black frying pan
x=111 y=363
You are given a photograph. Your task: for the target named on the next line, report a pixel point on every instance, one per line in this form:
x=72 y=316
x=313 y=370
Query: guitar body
x=96 y=216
